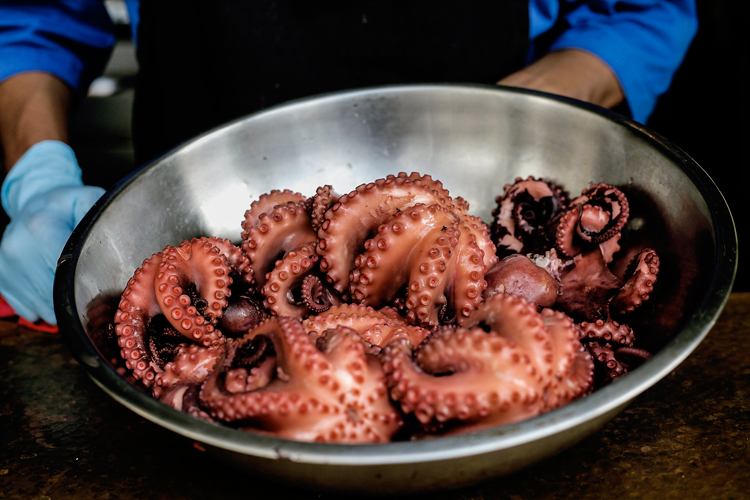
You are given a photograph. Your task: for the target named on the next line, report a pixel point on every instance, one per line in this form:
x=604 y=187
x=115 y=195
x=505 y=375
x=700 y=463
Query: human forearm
x=33 y=107
x=571 y=73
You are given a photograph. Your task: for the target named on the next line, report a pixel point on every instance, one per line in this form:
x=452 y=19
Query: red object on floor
x=6 y=311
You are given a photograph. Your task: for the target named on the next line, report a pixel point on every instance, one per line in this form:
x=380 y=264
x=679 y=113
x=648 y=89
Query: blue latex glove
x=45 y=199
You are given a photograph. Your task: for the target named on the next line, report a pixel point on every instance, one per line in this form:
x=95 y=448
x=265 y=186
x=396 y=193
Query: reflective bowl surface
x=475 y=139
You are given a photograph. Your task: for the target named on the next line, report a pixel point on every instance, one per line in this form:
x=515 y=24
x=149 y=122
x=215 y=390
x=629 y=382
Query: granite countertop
x=62 y=437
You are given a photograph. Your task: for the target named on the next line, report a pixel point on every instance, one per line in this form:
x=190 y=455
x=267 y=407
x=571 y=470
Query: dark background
x=706 y=110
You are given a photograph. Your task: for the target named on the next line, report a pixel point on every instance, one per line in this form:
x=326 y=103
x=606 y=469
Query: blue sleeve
x=643 y=41
x=71 y=39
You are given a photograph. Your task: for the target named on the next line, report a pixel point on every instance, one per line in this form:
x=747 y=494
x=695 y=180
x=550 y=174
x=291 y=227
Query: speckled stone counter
x=63 y=437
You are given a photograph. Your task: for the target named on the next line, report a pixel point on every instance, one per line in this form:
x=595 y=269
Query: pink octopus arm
x=267 y=202
x=485 y=379
x=378 y=327
x=193 y=262
x=283 y=229
x=286 y=278
x=356 y=216
x=137 y=306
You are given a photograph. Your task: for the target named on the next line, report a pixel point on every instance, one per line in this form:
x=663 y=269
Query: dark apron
x=205 y=63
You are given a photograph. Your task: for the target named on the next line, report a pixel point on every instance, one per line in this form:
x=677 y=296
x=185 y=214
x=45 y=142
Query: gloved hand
x=45 y=199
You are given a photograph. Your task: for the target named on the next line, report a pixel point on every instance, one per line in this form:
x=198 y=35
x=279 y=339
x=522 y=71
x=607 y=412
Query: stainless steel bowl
x=474 y=139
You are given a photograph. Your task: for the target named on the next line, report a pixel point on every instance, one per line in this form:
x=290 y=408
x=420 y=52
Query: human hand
x=571 y=73
x=45 y=198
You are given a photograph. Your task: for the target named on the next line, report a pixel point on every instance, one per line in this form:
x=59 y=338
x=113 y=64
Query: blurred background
x=705 y=112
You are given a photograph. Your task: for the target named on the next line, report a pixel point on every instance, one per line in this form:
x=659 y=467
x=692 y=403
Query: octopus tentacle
x=641 y=277
x=605 y=212
x=573 y=368
x=281 y=290
x=523 y=213
x=317 y=296
x=335 y=393
x=430 y=260
x=436 y=185
x=578 y=382
x=564 y=228
x=354 y=218
x=285 y=228
x=383 y=334
x=517 y=320
x=378 y=327
x=465 y=375
x=238 y=262
x=249 y=366
x=595 y=217
x=318 y=204
x=608 y=368
x=200 y=263
x=190 y=365
x=635 y=352
x=564 y=338
x=138 y=304
x=267 y=202
x=608 y=333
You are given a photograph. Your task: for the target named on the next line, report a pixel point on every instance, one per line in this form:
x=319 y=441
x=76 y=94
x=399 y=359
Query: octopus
x=583 y=239
x=175 y=300
x=332 y=392
x=387 y=312
x=405 y=238
x=281 y=245
x=507 y=363
x=523 y=213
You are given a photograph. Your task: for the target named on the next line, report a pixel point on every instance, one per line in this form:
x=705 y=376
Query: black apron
x=205 y=63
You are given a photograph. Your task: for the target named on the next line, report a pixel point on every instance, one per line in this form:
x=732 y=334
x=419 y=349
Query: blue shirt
x=643 y=41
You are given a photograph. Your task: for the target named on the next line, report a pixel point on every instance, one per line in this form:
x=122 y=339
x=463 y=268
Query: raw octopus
x=386 y=313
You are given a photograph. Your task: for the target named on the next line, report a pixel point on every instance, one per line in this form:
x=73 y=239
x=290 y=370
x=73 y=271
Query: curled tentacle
x=523 y=214
x=335 y=393
x=282 y=291
x=138 y=305
x=641 y=277
x=194 y=265
x=608 y=368
x=355 y=217
x=607 y=333
x=424 y=249
x=190 y=365
x=592 y=219
x=283 y=229
x=378 y=327
x=517 y=320
x=318 y=204
x=605 y=212
x=564 y=229
x=462 y=376
x=317 y=296
x=267 y=202
x=238 y=262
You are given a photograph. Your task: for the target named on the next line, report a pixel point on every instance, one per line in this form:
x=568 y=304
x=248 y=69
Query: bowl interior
x=474 y=139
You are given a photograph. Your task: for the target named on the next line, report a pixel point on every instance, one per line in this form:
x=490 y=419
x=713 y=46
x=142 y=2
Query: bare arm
x=571 y=73
x=33 y=108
